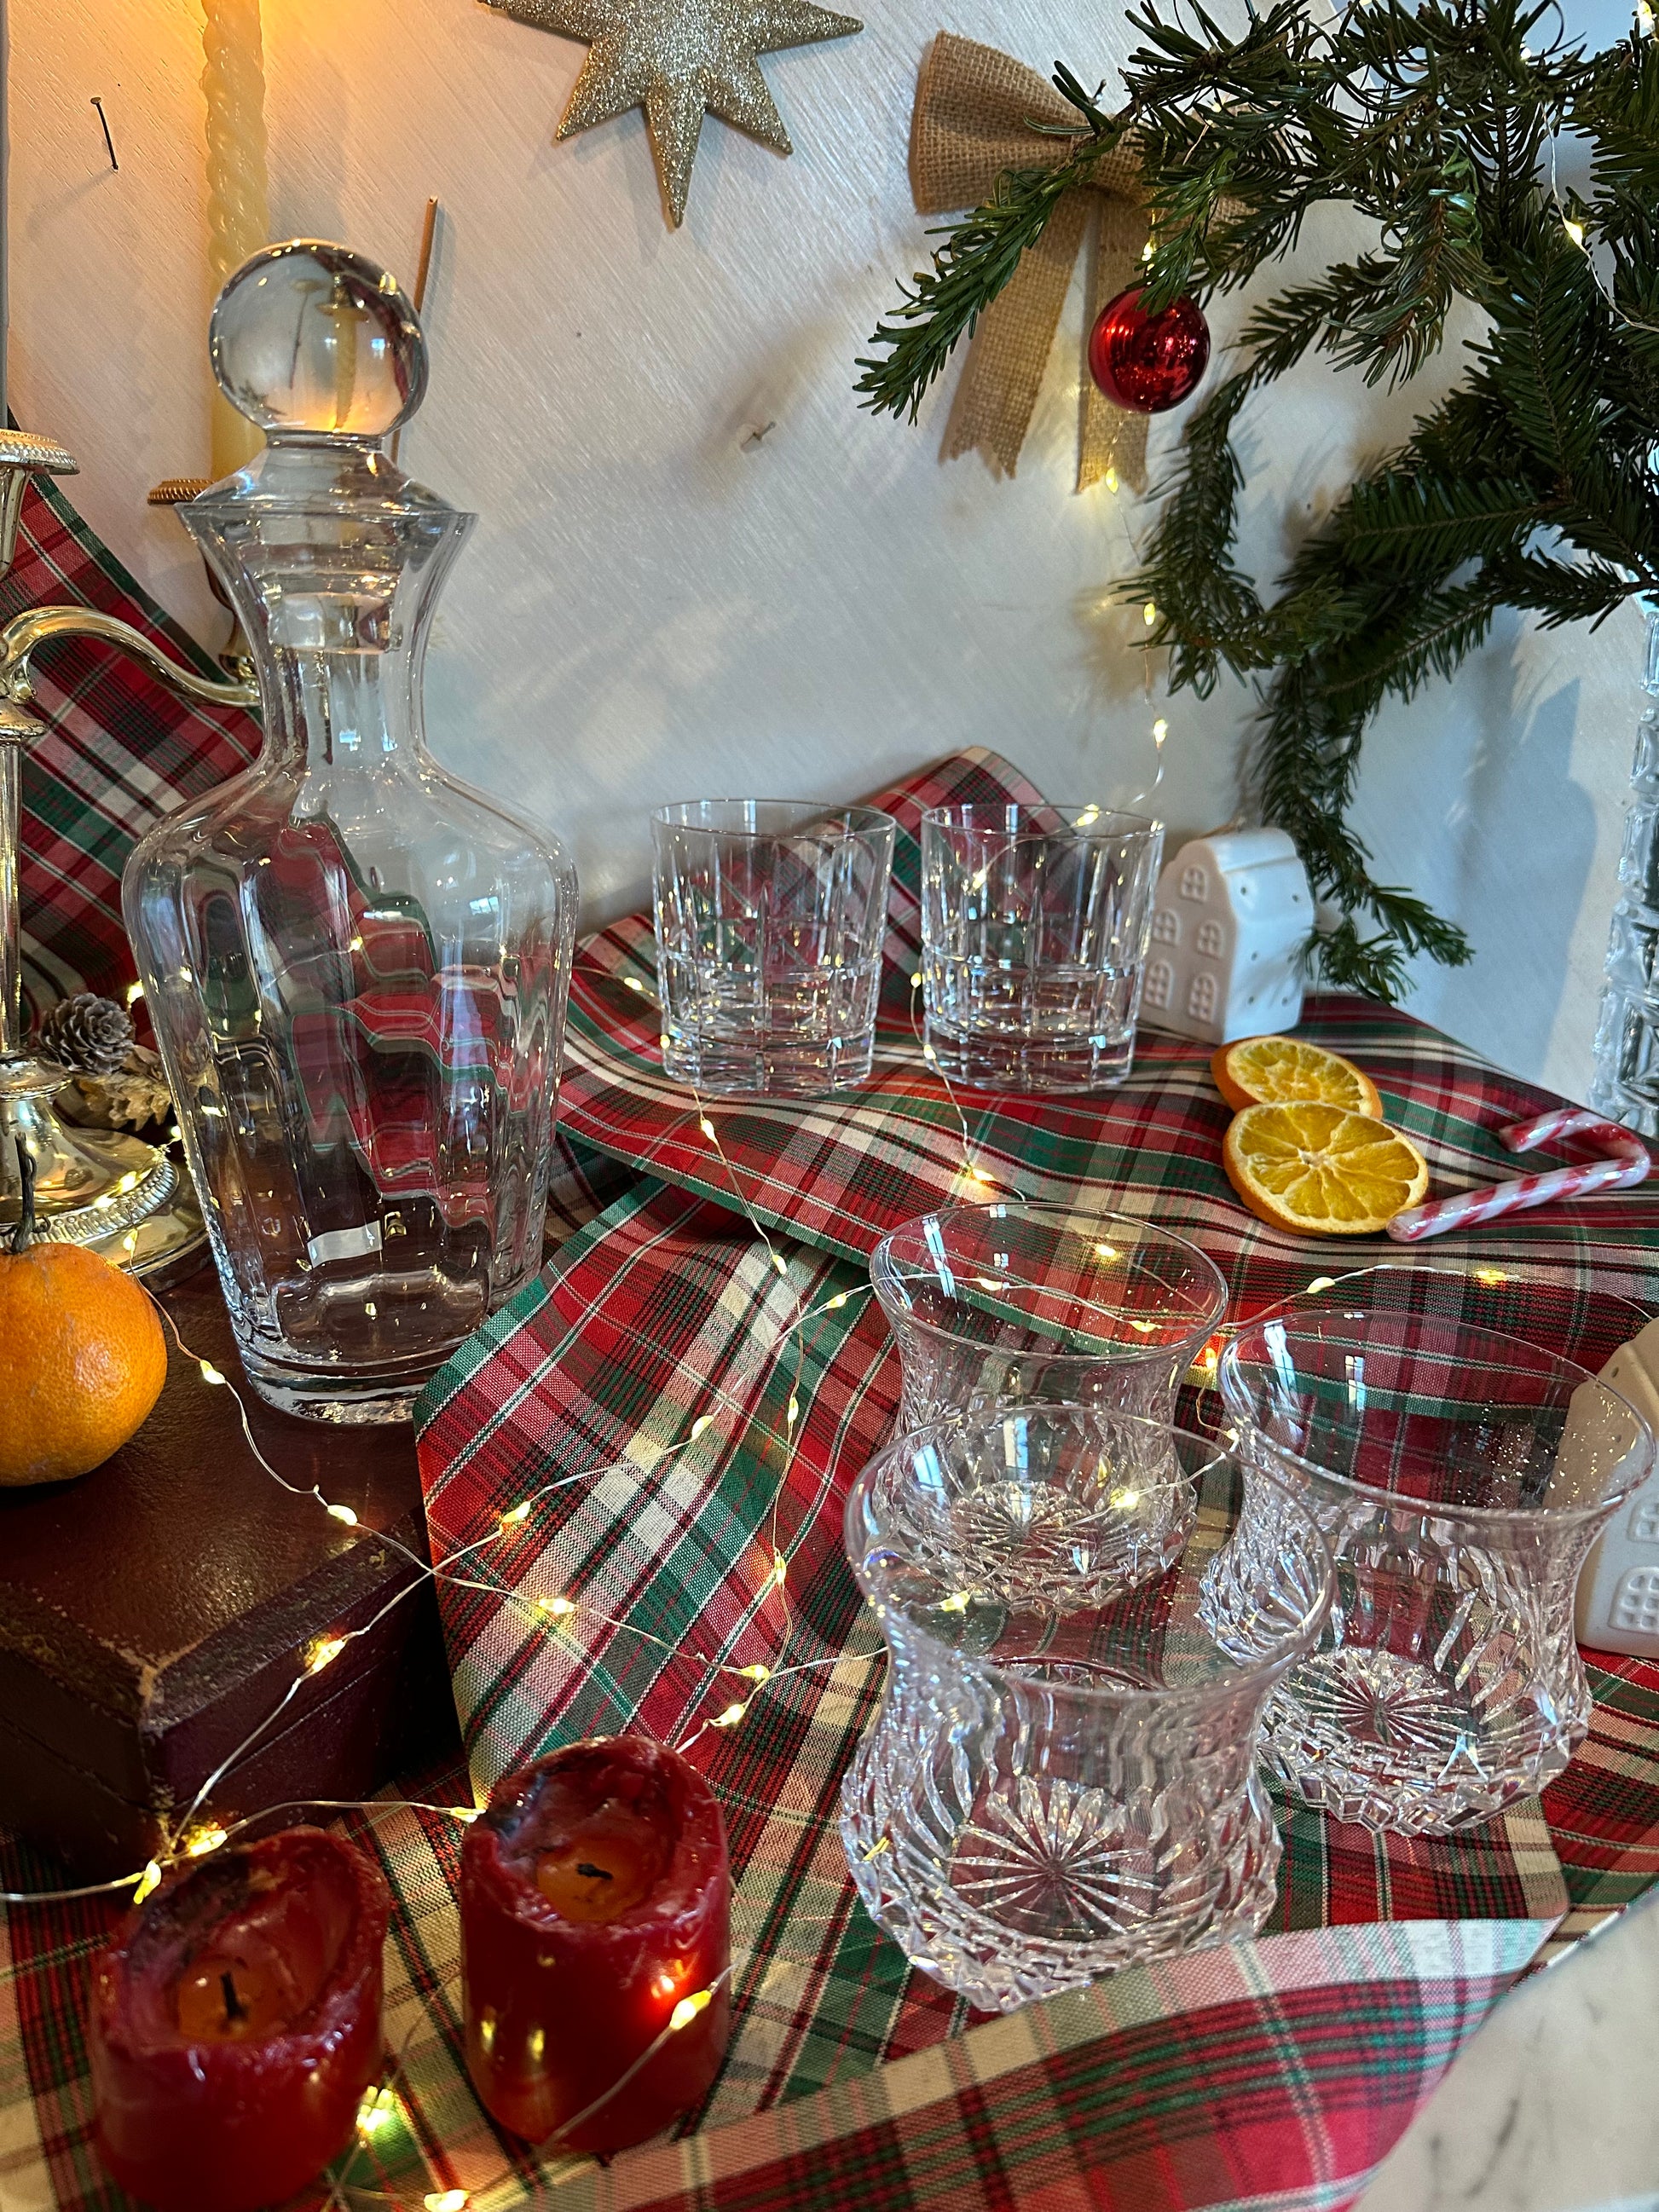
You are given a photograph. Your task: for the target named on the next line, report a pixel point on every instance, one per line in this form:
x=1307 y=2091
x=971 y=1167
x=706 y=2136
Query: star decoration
x=679 y=60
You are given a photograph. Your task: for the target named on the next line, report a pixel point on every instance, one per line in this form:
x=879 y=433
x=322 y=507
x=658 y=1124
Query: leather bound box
x=154 y=1614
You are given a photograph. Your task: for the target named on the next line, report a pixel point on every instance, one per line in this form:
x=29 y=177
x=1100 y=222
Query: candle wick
x=234 y=2009
x=593 y=1873
x=109 y=141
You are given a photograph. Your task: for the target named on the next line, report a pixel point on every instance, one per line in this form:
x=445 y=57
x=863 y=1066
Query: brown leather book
x=154 y=1614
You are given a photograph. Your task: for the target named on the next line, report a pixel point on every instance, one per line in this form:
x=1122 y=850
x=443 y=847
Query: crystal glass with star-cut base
x=1461 y=1476
x=1062 y=1777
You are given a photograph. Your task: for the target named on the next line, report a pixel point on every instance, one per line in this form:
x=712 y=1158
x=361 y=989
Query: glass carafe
x=356 y=967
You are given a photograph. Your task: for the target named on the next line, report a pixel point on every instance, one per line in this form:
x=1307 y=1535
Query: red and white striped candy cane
x=1625 y=1164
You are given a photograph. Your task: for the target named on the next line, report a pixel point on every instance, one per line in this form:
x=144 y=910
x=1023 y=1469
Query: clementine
x=82 y=1357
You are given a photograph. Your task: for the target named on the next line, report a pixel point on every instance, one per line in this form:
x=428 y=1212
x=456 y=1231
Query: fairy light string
x=188 y=1836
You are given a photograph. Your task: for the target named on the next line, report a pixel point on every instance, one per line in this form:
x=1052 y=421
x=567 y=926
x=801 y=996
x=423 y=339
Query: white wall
x=651 y=608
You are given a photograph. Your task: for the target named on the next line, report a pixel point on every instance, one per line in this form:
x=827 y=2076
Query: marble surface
x=1554 y=2106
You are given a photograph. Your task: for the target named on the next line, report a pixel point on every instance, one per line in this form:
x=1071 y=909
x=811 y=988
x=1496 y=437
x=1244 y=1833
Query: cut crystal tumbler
x=1035 y=925
x=770 y=917
x=996 y=1305
x=356 y=967
x=1461 y=1476
x=1061 y=1779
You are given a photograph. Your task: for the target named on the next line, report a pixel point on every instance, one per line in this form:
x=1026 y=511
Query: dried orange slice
x=1267 y=1071
x=1320 y=1170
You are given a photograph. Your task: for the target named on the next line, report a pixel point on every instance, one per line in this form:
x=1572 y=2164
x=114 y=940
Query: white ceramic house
x=1233 y=912
x=1619 y=1589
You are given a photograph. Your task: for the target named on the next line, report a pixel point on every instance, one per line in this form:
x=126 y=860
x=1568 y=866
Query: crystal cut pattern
x=1461 y=1477
x=998 y=1307
x=356 y=967
x=770 y=919
x=1061 y=1779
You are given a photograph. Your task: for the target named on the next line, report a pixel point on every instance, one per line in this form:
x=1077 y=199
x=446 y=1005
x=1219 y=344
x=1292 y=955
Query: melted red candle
x=236 y=2024
x=595 y=1898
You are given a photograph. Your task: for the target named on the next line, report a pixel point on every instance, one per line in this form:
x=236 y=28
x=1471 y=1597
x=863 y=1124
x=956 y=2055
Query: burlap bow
x=973 y=113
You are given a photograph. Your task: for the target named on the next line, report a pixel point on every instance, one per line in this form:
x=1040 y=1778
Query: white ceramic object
x=1619 y=1589
x=1232 y=913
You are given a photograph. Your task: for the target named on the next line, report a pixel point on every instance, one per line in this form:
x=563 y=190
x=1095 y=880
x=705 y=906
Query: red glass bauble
x=1148 y=363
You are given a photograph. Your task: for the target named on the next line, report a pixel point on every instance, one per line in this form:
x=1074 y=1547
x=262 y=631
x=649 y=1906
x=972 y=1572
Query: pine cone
x=87 y=1032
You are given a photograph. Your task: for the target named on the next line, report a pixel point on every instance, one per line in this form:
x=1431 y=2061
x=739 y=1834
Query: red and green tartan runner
x=119 y=751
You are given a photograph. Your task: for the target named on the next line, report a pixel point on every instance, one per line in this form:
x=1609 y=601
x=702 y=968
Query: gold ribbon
x=974 y=113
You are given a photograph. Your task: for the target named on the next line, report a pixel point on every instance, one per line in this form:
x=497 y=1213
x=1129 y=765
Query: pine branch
x=944 y=303
x=1530 y=484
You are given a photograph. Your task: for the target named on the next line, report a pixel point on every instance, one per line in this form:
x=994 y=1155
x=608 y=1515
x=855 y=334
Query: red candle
x=236 y=2024
x=596 y=1919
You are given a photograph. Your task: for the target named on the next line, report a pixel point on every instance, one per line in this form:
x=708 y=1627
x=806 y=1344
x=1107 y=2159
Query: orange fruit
x=1320 y=1170
x=82 y=1360
x=1266 y=1071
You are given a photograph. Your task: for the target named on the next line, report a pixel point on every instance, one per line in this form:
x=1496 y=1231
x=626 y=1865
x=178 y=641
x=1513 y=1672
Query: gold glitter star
x=678 y=59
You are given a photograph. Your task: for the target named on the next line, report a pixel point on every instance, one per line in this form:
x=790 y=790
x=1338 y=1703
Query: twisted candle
x=239 y=216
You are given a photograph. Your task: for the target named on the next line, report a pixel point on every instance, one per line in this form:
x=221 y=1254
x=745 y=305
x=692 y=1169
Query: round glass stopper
x=310 y=338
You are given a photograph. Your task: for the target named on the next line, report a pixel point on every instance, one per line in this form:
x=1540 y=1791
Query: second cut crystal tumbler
x=770 y=915
x=1461 y=1476
x=995 y=1306
x=1035 y=925
x=1061 y=1779
x=357 y=968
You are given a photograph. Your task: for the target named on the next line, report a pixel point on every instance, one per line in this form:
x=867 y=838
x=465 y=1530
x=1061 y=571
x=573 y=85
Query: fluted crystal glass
x=356 y=967
x=998 y=1305
x=1062 y=1775
x=1461 y=1476
x=1035 y=925
x=770 y=917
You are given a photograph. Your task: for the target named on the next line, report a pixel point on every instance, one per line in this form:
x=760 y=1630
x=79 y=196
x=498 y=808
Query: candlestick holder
x=123 y=1197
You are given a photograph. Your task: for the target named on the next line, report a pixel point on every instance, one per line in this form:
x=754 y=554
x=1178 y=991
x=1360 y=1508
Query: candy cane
x=1625 y=1164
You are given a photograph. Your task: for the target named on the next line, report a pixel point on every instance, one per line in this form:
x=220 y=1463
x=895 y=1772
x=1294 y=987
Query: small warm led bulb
x=324 y=1652
x=342 y=1513
x=688 y=2008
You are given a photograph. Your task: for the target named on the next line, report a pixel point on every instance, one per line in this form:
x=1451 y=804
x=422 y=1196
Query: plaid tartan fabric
x=120 y=750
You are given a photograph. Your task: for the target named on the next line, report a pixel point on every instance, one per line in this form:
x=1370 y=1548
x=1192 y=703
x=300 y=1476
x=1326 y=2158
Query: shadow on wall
x=1522 y=799
x=1502 y=842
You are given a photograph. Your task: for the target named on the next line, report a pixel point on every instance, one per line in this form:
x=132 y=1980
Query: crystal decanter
x=356 y=967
